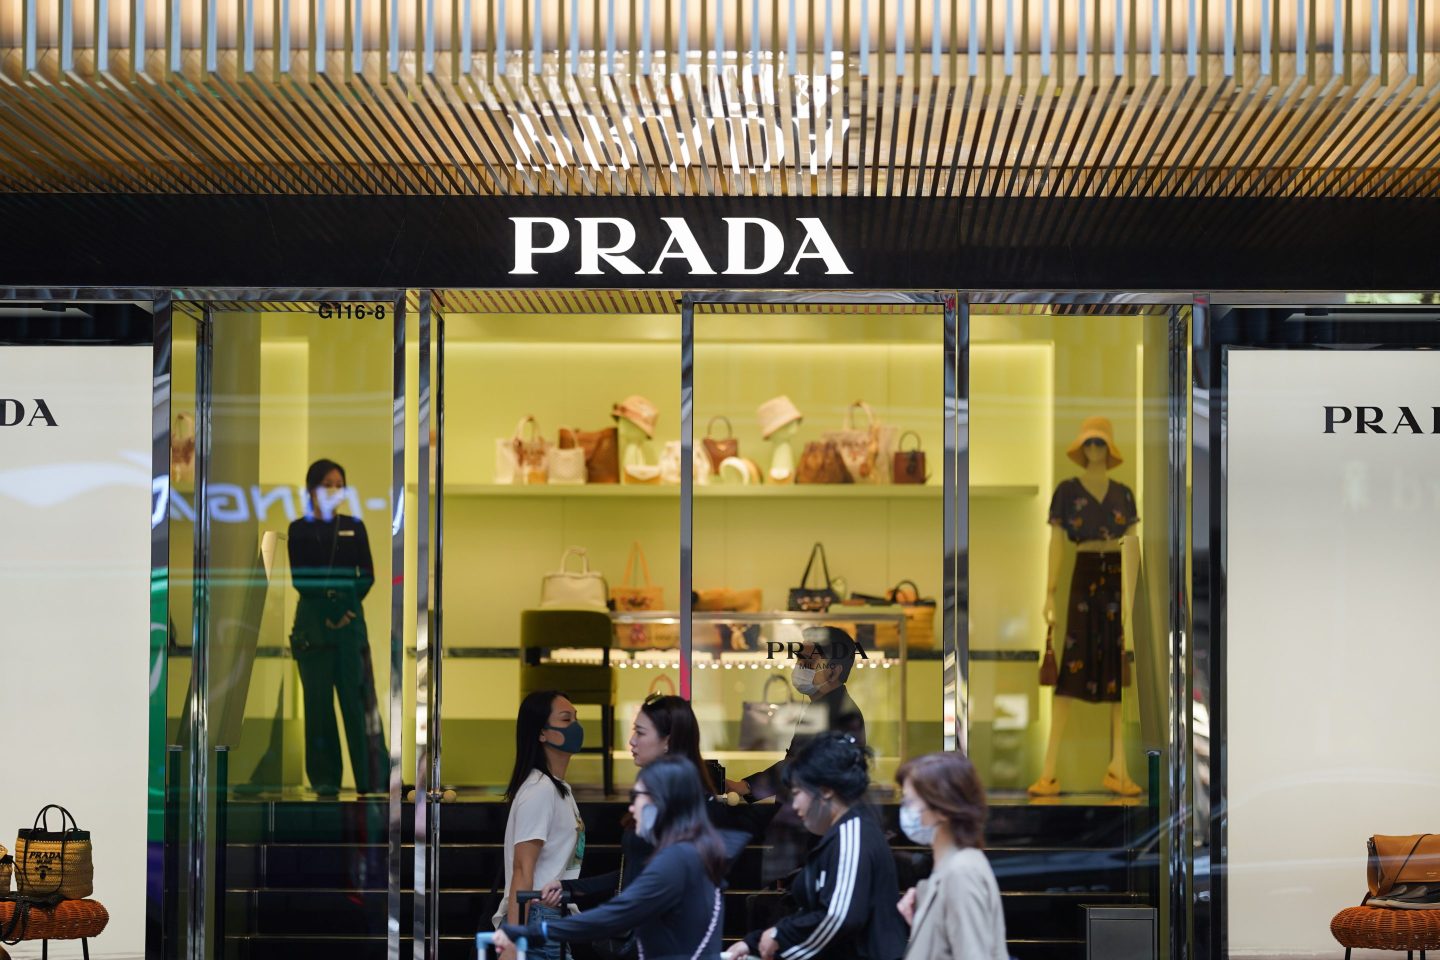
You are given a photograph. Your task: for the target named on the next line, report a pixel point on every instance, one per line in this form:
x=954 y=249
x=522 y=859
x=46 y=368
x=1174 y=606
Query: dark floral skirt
x=1092 y=656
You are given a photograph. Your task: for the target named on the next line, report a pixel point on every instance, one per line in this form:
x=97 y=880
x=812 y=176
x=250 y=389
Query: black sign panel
x=717 y=243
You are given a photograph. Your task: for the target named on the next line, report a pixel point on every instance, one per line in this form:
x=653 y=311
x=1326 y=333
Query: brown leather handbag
x=717 y=450
x=822 y=463
x=1049 y=670
x=1395 y=860
x=908 y=465
x=602 y=452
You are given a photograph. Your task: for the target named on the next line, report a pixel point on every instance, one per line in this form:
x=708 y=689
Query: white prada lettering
x=689 y=249
x=525 y=248
x=612 y=245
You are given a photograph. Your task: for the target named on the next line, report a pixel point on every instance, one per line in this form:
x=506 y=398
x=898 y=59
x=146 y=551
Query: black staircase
x=308 y=879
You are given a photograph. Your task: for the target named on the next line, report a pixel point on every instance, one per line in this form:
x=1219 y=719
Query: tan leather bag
x=720 y=449
x=822 y=463
x=1395 y=860
x=1049 y=669
x=602 y=452
x=644 y=597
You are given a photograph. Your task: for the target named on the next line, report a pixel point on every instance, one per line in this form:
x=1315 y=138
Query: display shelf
x=812 y=491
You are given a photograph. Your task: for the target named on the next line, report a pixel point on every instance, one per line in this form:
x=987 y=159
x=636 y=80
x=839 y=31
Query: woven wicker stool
x=1377 y=928
x=67 y=920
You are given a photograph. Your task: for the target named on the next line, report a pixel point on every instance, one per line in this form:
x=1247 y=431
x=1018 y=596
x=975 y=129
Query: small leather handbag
x=1049 y=670
x=644 y=597
x=718 y=449
x=821 y=462
x=521 y=459
x=908 y=466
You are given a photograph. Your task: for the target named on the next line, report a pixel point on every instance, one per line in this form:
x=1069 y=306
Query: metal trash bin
x=1121 y=933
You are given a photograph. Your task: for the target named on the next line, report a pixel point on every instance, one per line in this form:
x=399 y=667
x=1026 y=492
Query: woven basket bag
x=7 y=867
x=54 y=862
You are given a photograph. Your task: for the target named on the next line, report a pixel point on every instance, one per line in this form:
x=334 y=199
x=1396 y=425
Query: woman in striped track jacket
x=847 y=889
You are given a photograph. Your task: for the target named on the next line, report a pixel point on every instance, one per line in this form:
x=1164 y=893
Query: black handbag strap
x=819 y=549
x=42 y=819
x=20 y=919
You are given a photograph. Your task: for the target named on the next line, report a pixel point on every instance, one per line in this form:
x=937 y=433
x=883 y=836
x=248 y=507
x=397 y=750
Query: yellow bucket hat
x=1096 y=428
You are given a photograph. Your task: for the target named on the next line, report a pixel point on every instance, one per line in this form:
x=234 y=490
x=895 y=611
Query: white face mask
x=645 y=825
x=911 y=826
x=804 y=680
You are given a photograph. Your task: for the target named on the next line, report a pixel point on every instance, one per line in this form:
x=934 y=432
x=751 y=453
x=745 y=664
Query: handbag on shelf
x=717 y=450
x=908 y=466
x=565 y=589
x=54 y=862
x=1049 y=670
x=768 y=724
x=521 y=459
x=601 y=449
x=808 y=599
x=1396 y=860
x=865 y=450
x=726 y=600
x=821 y=462
x=7 y=867
x=629 y=597
x=904 y=598
x=565 y=465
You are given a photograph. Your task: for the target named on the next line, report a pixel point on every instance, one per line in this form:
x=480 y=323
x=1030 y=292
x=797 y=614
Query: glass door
x=821 y=532
x=287 y=717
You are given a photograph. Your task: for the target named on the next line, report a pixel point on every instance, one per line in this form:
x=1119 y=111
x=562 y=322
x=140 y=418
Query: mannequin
x=635 y=418
x=1099 y=516
x=633 y=443
x=782 y=453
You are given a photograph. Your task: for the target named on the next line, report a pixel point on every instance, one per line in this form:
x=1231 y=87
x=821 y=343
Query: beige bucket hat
x=776 y=413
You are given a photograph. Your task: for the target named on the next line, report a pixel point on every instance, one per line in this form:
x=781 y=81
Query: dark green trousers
x=338 y=668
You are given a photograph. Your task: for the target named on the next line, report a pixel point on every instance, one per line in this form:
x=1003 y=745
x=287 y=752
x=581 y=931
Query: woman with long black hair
x=544 y=835
x=674 y=905
x=847 y=889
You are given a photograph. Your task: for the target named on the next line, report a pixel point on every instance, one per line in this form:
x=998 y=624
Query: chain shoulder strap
x=709 y=931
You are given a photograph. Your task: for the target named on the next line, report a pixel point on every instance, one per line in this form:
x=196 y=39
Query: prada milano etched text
x=611 y=245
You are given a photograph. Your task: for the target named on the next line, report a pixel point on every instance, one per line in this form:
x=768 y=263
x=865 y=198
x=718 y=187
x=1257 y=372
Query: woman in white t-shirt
x=544 y=835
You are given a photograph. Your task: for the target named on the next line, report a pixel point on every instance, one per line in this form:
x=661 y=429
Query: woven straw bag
x=54 y=862
x=7 y=866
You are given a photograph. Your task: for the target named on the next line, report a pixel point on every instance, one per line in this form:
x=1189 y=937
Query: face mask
x=911 y=826
x=574 y=737
x=645 y=826
x=804 y=680
x=817 y=818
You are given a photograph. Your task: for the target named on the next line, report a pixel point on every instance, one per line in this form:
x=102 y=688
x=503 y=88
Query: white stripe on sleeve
x=845 y=872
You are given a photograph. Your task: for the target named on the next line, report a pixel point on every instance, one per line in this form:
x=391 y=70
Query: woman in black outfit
x=847 y=889
x=674 y=905
x=332 y=570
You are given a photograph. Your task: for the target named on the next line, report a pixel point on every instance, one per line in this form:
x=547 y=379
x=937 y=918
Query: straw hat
x=638 y=411
x=776 y=413
x=1095 y=428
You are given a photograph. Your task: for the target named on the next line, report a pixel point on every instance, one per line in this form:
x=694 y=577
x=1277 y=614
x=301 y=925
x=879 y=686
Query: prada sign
x=670 y=246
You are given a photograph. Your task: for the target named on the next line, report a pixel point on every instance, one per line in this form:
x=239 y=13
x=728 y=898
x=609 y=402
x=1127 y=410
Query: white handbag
x=521 y=459
x=670 y=464
x=566 y=589
x=566 y=466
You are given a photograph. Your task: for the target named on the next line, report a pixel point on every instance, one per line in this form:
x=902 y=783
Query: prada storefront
x=1064 y=359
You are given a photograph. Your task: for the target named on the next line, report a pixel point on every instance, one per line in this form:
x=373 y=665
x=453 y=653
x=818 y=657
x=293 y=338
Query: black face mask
x=817 y=819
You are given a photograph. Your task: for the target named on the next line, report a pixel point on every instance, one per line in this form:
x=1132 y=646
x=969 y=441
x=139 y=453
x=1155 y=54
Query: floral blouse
x=1075 y=511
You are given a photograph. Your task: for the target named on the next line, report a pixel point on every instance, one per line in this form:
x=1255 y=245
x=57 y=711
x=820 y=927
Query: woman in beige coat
x=956 y=914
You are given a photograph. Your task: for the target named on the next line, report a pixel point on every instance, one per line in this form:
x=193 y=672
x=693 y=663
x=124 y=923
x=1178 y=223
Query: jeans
x=553 y=949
